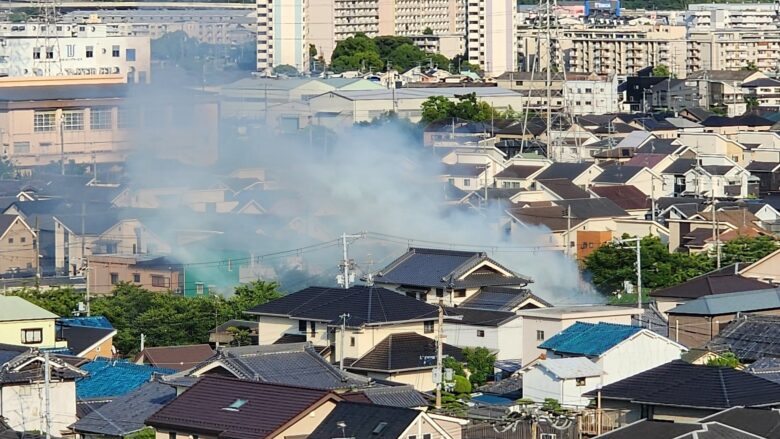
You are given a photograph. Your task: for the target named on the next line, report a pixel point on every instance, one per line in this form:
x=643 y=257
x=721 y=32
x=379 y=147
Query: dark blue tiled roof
x=114 y=378
x=589 y=338
x=91 y=322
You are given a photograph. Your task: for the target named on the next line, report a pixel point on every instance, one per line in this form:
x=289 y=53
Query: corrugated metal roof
x=590 y=339
x=731 y=303
x=573 y=367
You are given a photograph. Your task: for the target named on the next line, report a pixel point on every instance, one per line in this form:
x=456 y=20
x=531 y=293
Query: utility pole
x=715 y=225
x=37 y=248
x=62 y=143
x=347 y=265
x=143 y=342
x=87 y=277
x=439 y=353
x=548 y=84
x=568 y=229
x=343 y=318
x=638 y=250
x=47 y=390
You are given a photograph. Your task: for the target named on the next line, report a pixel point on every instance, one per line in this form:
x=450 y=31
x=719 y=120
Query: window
x=90 y=51
x=539 y=335
x=439 y=292
x=100 y=118
x=199 y=288
x=50 y=52
x=172 y=435
x=352 y=341
x=580 y=381
x=301 y=325
x=44 y=145
x=428 y=327
x=414 y=436
x=73 y=120
x=32 y=336
x=114 y=278
x=22 y=239
x=70 y=50
x=21 y=147
x=129 y=55
x=115 y=51
x=43 y=121
x=137 y=277
x=159 y=281
x=466 y=182
x=427 y=436
x=10 y=240
x=480 y=333
x=460 y=293
x=36 y=53
x=313 y=327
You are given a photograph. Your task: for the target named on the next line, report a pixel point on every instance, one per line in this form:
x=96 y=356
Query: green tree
x=480 y=362
x=252 y=294
x=62 y=301
x=440 y=61
x=312 y=51
x=286 y=70
x=750 y=67
x=437 y=108
x=462 y=385
x=455 y=365
x=17 y=17
x=145 y=433
x=405 y=56
x=745 y=249
x=361 y=61
x=241 y=335
x=662 y=70
x=428 y=31
x=385 y=45
x=726 y=359
x=752 y=102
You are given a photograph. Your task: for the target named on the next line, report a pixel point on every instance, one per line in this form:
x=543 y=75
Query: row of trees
x=611 y=264
x=165 y=319
x=381 y=53
x=467 y=107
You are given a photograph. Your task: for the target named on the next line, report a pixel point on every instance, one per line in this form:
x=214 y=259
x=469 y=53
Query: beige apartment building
x=733 y=49
x=620 y=50
x=154 y=273
x=490 y=35
x=17 y=245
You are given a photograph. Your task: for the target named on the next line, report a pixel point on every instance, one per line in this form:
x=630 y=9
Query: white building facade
x=281 y=34
x=490 y=35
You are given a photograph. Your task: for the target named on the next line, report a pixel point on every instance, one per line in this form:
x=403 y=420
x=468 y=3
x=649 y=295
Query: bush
x=462 y=385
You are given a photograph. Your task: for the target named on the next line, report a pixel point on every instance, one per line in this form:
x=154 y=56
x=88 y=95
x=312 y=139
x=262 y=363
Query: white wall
x=24 y=406
x=539 y=384
x=636 y=355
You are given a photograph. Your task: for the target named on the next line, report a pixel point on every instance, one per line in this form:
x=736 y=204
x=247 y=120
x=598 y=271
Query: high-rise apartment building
x=732 y=16
x=281 y=34
x=733 y=50
x=490 y=35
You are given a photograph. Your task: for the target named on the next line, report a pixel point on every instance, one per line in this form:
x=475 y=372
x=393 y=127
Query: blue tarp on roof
x=589 y=339
x=91 y=322
x=109 y=378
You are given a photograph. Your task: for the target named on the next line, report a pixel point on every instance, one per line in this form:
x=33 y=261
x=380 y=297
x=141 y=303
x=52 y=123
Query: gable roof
x=285 y=364
x=126 y=414
x=444 y=269
x=681 y=384
x=750 y=120
x=554 y=217
x=572 y=367
x=749 y=337
x=481 y=317
x=680 y=166
x=646 y=429
x=625 y=196
x=563 y=170
x=82 y=338
x=761 y=422
x=618 y=174
x=589 y=339
x=365 y=421
x=112 y=378
x=518 y=171
x=500 y=299
x=659 y=146
x=404 y=351
x=365 y=305
x=711 y=283
x=395 y=396
x=731 y=303
x=14 y=308
x=266 y=408
x=176 y=357
x=585 y=208
x=564 y=189
x=648 y=160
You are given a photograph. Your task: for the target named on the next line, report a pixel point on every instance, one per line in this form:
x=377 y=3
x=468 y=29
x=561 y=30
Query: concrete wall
x=638 y=354
x=23 y=406
x=153 y=279
x=17 y=248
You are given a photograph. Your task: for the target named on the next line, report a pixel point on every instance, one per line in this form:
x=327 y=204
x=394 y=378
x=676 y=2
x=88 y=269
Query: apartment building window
x=70 y=50
x=428 y=327
x=539 y=335
x=32 y=336
x=21 y=147
x=352 y=341
x=50 y=52
x=114 y=278
x=199 y=288
x=129 y=55
x=90 y=51
x=580 y=382
x=480 y=333
x=43 y=121
x=159 y=281
x=73 y=120
x=36 y=53
x=115 y=51
x=100 y=118
x=137 y=278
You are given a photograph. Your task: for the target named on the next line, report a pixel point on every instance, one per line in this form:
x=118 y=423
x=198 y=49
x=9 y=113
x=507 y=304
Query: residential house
x=719 y=177
x=227 y=407
x=750 y=337
x=714 y=144
x=178 y=358
x=286 y=363
x=700 y=320
x=125 y=415
x=393 y=396
x=353 y=419
x=581 y=174
x=722 y=281
x=87 y=337
x=23 y=323
x=160 y=274
x=640 y=177
x=724 y=88
x=562 y=379
x=628 y=197
x=768 y=174
x=18 y=252
x=549 y=190
x=110 y=379
x=766 y=269
x=618 y=350
x=734 y=125
x=492 y=329
x=407 y=358
x=466 y=176
x=518 y=176
x=682 y=392
x=543 y=323
x=451 y=276
x=698 y=233
x=22 y=383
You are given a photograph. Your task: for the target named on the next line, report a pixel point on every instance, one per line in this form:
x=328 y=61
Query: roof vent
x=237 y=404
x=379 y=427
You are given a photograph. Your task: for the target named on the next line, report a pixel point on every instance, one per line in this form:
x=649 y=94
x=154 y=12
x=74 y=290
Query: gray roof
x=295 y=364
x=365 y=421
x=500 y=299
x=396 y=396
x=680 y=166
x=13 y=308
x=564 y=188
x=126 y=414
x=563 y=170
x=659 y=146
x=731 y=303
x=618 y=174
x=425 y=93
x=721 y=75
x=573 y=367
x=750 y=338
x=593 y=208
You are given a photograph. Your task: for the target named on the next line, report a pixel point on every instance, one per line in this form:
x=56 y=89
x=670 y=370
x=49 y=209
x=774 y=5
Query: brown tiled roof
x=564 y=188
x=518 y=171
x=204 y=408
x=626 y=196
x=177 y=357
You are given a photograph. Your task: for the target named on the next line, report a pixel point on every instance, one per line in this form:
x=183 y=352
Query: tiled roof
x=563 y=170
x=365 y=305
x=112 y=378
x=564 y=188
x=709 y=284
x=645 y=160
x=365 y=421
x=500 y=299
x=589 y=339
x=749 y=337
x=25 y=365
x=571 y=367
x=762 y=166
x=592 y=208
x=681 y=384
x=618 y=174
x=731 y=303
x=717 y=169
x=680 y=166
x=396 y=396
x=481 y=317
x=761 y=422
x=463 y=170
x=518 y=171
x=81 y=338
x=287 y=364
x=204 y=408
x=126 y=414
x=626 y=196
x=176 y=357
x=405 y=351
x=659 y=146
x=645 y=429
x=747 y=120
x=438 y=268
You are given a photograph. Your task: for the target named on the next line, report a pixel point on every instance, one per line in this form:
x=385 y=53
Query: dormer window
x=236 y=405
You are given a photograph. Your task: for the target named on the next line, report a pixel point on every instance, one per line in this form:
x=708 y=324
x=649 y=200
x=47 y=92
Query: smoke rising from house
x=365 y=179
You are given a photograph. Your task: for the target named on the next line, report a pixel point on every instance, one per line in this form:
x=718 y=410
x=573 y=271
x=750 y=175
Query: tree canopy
x=662 y=70
x=480 y=363
x=467 y=107
x=380 y=53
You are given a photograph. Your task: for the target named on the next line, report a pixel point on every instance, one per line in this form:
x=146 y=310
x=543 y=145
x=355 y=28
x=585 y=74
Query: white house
x=497 y=331
x=563 y=379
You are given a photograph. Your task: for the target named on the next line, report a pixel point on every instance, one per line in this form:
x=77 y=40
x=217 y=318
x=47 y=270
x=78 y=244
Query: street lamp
x=638 y=251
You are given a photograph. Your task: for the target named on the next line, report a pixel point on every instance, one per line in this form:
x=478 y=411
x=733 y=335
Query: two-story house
x=26 y=324
x=17 y=246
